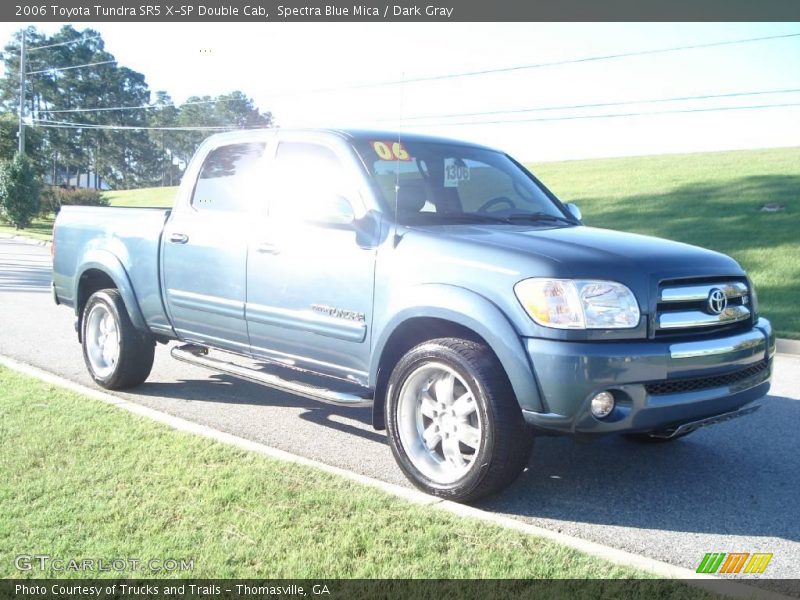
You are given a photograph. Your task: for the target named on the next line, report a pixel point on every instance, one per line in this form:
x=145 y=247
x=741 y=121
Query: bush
x=54 y=197
x=19 y=191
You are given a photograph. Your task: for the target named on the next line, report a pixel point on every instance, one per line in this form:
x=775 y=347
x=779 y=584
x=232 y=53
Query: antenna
x=396 y=238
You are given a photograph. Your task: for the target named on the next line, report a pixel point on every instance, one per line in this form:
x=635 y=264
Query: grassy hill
x=710 y=199
x=158 y=196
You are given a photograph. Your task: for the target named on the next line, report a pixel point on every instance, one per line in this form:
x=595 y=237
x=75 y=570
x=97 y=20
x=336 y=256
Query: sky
x=290 y=68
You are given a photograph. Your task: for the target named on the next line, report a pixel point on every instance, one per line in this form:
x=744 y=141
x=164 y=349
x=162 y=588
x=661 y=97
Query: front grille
x=679 y=386
x=684 y=307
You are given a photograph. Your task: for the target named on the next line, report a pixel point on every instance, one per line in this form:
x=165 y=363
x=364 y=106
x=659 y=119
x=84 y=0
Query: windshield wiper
x=444 y=218
x=537 y=216
x=471 y=218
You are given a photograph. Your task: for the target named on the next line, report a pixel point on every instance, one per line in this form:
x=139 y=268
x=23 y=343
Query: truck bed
x=128 y=238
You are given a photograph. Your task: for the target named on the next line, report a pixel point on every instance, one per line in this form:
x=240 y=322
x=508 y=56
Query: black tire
x=135 y=349
x=505 y=444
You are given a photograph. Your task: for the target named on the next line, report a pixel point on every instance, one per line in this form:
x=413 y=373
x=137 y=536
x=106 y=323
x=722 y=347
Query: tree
x=165 y=115
x=76 y=143
x=234 y=110
x=100 y=118
x=19 y=191
x=9 y=126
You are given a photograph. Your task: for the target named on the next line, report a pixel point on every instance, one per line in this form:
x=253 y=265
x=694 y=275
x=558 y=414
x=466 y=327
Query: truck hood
x=584 y=252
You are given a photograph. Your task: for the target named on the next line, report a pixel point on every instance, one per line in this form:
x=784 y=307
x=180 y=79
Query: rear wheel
x=117 y=354
x=454 y=425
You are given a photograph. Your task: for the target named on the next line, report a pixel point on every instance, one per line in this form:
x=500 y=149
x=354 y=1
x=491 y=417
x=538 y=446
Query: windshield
x=434 y=183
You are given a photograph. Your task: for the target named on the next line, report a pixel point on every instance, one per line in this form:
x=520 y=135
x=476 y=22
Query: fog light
x=602 y=405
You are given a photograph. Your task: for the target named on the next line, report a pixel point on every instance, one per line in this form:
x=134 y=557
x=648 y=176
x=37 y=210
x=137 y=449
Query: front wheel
x=117 y=354
x=454 y=425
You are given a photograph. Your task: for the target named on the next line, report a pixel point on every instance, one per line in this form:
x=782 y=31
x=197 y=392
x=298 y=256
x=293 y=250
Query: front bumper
x=657 y=384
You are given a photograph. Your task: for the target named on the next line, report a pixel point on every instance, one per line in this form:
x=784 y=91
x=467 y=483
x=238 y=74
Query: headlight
x=578 y=303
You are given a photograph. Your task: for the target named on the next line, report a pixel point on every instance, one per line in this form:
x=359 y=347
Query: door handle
x=267 y=248
x=178 y=238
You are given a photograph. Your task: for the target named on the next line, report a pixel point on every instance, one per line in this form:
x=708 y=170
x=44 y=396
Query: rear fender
x=106 y=262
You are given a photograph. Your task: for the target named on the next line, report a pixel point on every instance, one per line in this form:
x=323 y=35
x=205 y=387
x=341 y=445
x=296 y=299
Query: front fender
x=108 y=263
x=473 y=311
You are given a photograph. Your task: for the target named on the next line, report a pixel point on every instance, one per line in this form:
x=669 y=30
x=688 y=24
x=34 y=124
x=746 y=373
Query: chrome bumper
x=754 y=341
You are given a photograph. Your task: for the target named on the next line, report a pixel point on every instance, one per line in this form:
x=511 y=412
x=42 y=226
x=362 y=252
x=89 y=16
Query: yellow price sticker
x=391 y=151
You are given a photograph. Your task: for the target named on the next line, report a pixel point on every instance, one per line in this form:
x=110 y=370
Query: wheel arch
x=101 y=270
x=435 y=311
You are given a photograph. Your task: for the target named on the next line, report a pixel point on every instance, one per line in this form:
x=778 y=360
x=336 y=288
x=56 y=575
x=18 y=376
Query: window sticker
x=391 y=151
x=455 y=171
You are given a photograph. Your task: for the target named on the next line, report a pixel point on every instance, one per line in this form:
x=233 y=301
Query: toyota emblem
x=717 y=301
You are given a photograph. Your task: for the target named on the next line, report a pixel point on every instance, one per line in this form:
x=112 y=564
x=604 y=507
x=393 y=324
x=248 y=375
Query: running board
x=197 y=355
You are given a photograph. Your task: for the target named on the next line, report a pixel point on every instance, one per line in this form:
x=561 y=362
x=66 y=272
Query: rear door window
x=230 y=178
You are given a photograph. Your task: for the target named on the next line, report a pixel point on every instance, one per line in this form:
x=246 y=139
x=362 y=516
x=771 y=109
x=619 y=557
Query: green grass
x=84 y=479
x=709 y=199
x=40 y=229
x=157 y=196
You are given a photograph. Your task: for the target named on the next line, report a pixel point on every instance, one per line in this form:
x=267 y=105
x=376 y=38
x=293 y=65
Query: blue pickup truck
x=439 y=281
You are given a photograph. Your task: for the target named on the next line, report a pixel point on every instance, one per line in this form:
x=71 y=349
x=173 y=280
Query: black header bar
x=388 y=589
x=260 y=11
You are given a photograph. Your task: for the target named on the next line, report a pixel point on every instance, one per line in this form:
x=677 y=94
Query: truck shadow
x=736 y=478
x=220 y=388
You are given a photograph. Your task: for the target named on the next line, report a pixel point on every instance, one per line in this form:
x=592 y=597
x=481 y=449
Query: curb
x=614 y=555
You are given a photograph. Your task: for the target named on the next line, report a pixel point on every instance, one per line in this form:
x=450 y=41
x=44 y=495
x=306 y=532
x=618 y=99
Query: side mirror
x=335 y=211
x=574 y=211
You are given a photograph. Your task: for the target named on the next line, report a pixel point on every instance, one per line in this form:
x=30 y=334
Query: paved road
x=729 y=488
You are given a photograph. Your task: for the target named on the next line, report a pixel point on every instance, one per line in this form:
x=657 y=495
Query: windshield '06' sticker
x=455 y=171
x=391 y=151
